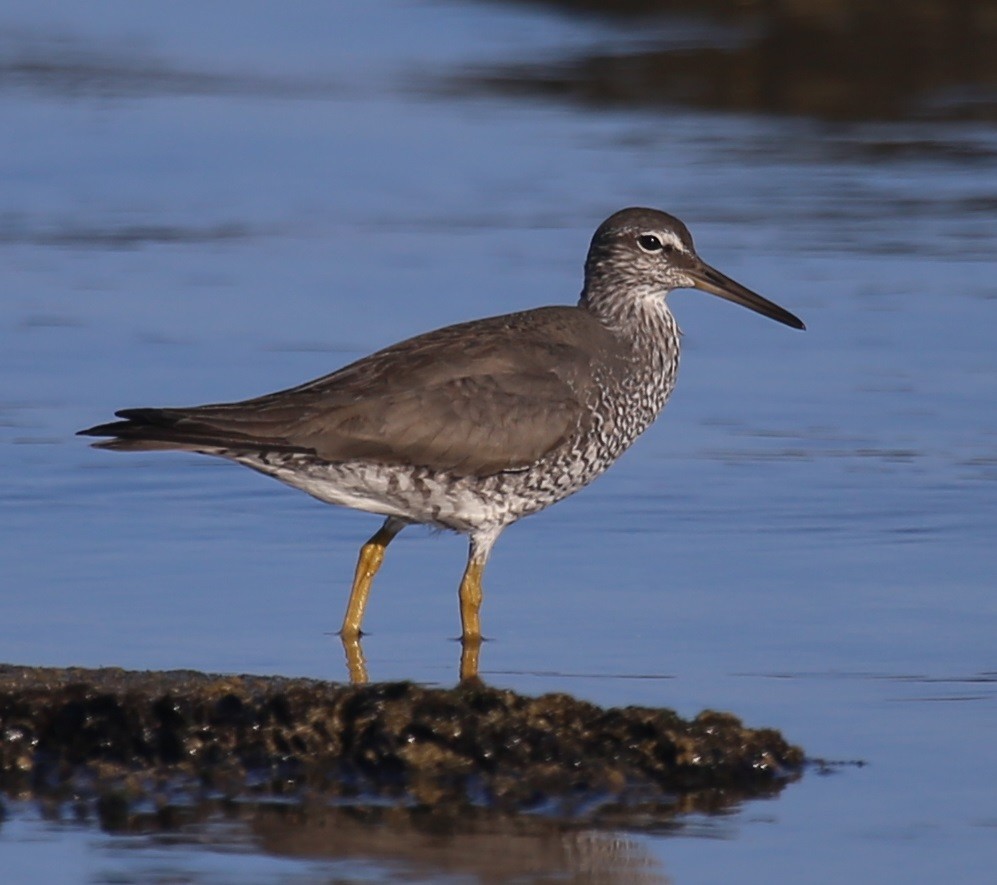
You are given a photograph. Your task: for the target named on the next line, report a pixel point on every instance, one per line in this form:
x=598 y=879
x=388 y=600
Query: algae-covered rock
x=125 y=736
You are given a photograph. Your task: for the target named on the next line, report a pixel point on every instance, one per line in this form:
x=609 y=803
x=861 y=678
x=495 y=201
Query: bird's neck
x=646 y=365
x=642 y=318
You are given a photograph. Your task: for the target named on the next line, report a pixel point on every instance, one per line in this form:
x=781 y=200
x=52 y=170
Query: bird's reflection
x=356 y=661
x=470 y=654
x=467 y=844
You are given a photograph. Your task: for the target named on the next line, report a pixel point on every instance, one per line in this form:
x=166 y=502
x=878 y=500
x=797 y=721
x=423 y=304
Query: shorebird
x=473 y=426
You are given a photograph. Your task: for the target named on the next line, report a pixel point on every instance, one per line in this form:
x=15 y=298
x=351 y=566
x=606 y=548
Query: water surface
x=198 y=207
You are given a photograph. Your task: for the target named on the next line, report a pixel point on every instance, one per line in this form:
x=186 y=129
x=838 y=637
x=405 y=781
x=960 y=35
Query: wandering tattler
x=472 y=426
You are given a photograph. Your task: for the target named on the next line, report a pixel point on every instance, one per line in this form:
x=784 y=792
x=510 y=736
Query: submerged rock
x=121 y=739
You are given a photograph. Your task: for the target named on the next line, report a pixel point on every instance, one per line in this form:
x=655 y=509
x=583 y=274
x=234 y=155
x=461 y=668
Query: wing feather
x=473 y=399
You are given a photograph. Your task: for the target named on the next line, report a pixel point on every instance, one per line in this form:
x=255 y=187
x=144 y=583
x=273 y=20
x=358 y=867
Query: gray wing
x=473 y=399
x=475 y=424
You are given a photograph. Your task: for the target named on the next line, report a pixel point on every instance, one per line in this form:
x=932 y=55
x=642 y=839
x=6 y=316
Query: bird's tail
x=144 y=430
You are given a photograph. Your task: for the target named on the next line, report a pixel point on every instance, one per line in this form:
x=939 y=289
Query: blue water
x=199 y=207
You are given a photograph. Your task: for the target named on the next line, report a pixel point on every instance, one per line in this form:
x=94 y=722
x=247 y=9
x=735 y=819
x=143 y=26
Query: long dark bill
x=711 y=280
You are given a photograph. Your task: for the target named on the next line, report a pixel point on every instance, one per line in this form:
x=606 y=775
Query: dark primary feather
x=472 y=399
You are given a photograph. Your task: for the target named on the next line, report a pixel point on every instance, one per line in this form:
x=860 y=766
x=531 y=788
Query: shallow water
x=201 y=208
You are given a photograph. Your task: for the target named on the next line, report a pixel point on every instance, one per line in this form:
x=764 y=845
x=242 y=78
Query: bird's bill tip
x=708 y=279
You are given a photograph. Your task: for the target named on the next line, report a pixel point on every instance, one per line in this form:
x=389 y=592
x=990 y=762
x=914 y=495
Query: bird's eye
x=649 y=243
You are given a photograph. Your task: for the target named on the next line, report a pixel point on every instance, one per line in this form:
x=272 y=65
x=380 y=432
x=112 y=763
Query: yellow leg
x=471 y=595
x=371 y=557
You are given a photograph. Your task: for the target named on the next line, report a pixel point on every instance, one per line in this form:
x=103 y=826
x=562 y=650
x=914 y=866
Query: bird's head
x=638 y=254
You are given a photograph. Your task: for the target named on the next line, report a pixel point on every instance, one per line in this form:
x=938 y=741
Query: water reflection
x=58 y=64
x=844 y=59
x=486 y=847
x=356 y=660
x=249 y=842
x=67 y=234
x=390 y=842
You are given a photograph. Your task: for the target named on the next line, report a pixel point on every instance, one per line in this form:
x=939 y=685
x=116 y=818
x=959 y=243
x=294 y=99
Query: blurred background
x=208 y=201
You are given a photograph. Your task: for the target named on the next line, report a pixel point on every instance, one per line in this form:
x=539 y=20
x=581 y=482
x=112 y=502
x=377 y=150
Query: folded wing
x=469 y=404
